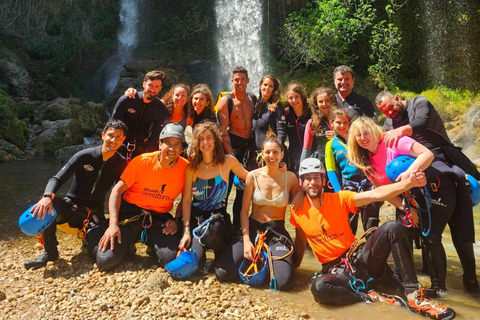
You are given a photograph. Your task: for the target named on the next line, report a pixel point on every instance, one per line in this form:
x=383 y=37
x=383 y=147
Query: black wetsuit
x=335 y=286
x=139 y=117
x=204 y=116
x=90 y=174
x=357 y=105
x=265 y=119
x=429 y=130
x=279 y=242
x=296 y=132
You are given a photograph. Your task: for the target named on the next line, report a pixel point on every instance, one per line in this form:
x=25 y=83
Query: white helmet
x=311 y=165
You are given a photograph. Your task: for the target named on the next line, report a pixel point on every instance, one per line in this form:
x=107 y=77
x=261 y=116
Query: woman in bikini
x=269 y=189
x=205 y=192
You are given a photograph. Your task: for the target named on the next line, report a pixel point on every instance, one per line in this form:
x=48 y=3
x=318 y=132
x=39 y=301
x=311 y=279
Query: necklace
x=207 y=164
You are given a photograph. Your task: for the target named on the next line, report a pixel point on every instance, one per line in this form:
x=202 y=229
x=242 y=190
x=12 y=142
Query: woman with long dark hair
x=297 y=116
x=205 y=192
x=269 y=112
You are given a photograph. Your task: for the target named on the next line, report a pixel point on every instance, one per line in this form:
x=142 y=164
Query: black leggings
x=370 y=262
x=164 y=246
x=451 y=204
x=227 y=265
x=245 y=154
x=217 y=238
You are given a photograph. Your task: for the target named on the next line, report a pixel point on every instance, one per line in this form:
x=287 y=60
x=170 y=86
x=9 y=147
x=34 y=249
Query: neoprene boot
x=467 y=258
x=50 y=247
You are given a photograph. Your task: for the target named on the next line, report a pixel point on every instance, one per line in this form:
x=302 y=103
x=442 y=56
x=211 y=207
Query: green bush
x=11 y=129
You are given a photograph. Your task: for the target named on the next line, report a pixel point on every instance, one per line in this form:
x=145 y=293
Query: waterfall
x=448 y=46
x=239 y=41
x=108 y=74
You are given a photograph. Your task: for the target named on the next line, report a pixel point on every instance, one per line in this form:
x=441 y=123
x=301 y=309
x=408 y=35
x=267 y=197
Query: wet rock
x=14 y=77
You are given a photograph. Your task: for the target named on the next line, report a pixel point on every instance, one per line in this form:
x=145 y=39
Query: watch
x=49 y=195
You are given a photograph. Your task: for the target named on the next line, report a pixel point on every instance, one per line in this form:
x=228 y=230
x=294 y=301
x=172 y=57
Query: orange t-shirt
x=327 y=229
x=152 y=187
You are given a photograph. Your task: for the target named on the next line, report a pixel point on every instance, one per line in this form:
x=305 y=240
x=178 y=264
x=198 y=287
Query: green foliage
x=385 y=51
x=179 y=29
x=322 y=33
x=54 y=143
x=11 y=129
x=450 y=103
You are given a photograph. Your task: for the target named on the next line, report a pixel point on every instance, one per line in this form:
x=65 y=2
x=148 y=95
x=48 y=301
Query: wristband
x=187 y=232
x=49 y=195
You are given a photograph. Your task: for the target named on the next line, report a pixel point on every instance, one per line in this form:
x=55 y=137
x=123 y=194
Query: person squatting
x=275 y=156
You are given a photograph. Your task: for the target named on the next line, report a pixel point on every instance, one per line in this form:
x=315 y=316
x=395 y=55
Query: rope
x=197 y=232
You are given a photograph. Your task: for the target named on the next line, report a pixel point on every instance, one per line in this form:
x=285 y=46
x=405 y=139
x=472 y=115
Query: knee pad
x=433 y=239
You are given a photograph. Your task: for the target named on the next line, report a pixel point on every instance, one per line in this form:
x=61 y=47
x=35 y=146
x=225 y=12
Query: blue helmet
x=238 y=183
x=183 y=266
x=31 y=225
x=474 y=189
x=247 y=273
x=398 y=166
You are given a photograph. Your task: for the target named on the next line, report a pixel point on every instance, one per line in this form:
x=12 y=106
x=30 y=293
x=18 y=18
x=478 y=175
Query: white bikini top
x=280 y=201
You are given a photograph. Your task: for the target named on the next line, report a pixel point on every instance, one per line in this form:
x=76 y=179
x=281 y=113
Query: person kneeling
x=149 y=188
x=323 y=222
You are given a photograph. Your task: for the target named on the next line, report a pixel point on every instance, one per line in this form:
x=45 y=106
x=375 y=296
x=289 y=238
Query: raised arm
x=416 y=179
x=236 y=167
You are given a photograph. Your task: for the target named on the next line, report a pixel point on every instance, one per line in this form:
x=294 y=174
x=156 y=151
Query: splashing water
x=239 y=34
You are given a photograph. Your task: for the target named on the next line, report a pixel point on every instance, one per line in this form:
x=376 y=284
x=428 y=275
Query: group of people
x=245 y=140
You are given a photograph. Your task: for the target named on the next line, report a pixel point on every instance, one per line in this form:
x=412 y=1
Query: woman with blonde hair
x=368 y=151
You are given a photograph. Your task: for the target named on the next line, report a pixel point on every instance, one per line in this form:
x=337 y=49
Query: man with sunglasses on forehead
x=140 y=203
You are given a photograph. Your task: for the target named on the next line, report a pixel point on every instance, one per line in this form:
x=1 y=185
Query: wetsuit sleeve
x=281 y=123
x=307 y=141
x=119 y=110
x=331 y=166
x=157 y=128
x=420 y=111
x=62 y=176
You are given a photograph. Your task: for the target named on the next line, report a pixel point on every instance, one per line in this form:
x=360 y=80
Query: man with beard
x=235 y=114
x=141 y=113
x=418 y=119
x=350 y=266
x=356 y=104
x=140 y=202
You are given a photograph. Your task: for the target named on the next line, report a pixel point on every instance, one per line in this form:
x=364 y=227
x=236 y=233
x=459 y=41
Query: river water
x=24 y=182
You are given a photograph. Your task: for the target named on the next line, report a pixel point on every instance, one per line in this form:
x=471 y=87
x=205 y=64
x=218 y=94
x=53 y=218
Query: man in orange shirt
x=346 y=268
x=140 y=202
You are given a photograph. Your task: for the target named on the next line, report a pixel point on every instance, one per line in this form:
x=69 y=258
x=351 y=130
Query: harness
x=409 y=200
x=260 y=247
x=344 y=264
x=201 y=230
x=131 y=146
